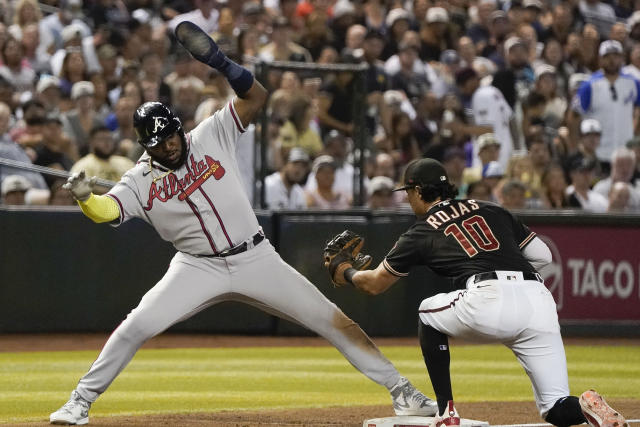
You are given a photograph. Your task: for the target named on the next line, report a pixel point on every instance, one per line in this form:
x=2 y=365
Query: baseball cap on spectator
x=449 y=56
x=13 y=183
x=493 y=170
x=465 y=74
x=142 y=16
x=498 y=14
x=53 y=118
x=83 y=88
x=343 y=8
x=633 y=142
x=380 y=183
x=576 y=80
x=610 y=46
x=535 y=4
x=578 y=162
x=46 y=82
x=485 y=140
x=395 y=15
x=543 y=69
x=512 y=42
x=588 y=126
x=437 y=14
x=324 y=160
x=70 y=32
x=297 y=154
x=402 y=46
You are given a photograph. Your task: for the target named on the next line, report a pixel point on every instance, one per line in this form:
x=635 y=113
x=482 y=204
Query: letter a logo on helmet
x=159 y=124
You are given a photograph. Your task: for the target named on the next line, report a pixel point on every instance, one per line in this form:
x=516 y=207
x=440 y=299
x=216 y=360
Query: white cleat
x=409 y=401
x=74 y=412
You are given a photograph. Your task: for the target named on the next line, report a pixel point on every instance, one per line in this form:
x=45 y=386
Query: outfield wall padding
x=59 y=272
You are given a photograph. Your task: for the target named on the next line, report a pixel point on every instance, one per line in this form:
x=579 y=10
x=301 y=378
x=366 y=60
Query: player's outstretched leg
x=75 y=411
x=598 y=413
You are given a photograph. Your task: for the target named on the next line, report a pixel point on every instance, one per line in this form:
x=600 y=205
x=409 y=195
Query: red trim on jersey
x=235 y=117
x=444 y=307
x=215 y=211
x=391 y=270
x=528 y=240
x=197 y=214
x=119 y=204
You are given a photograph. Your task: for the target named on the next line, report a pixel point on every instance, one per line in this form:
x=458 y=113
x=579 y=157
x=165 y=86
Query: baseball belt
x=492 y=275
x=242 y=247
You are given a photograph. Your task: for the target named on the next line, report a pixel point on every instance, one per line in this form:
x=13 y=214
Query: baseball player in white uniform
x=189 y=188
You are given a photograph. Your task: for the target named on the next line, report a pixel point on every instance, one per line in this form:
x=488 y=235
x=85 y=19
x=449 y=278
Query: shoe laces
x=410 y=393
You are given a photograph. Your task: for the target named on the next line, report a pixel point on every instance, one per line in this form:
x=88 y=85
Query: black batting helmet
x=154 y=122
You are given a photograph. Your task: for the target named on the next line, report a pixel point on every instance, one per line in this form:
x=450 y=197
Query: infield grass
x=207 y=380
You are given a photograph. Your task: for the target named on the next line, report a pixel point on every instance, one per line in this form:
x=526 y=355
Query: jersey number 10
x=480 y=233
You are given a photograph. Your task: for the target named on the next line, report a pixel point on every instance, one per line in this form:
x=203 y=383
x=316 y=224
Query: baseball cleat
x=449 y=417
x=598 y=413
x=409 y=401
x=75 y=411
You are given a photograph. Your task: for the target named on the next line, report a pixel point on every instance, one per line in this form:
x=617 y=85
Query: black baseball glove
x=342 y=252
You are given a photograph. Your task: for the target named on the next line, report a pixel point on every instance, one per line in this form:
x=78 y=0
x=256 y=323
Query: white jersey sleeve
x=126 y=195
x=221 y=130
x=489 y=107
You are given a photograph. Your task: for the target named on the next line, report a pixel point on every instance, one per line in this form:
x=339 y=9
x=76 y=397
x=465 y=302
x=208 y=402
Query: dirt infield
x=497 y=412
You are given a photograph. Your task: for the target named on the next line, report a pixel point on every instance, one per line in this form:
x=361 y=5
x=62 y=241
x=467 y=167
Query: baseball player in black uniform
x=496 y=294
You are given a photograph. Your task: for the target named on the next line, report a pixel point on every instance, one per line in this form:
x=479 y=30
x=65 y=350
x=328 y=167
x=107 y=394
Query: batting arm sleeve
x=100 y=208
x=537 y=253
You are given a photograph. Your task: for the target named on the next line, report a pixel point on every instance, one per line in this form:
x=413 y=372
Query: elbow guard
x=100 y=208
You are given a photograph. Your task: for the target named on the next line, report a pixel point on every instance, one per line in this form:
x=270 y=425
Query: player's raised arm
x=97 y=208
x=251 y=94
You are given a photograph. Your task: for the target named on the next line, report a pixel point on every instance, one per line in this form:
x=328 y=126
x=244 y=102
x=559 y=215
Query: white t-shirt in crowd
x=278 y=197
x=491 y=109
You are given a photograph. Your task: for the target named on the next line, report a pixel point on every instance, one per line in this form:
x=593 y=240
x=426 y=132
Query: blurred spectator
x=83 y=117
x=282 y=47
x=384 y=165
x=121 y=122
x=224 y=36
x=540 y=155
x=28 y=132
x=634 y=145
x=555 y=105
x=620 y=197
x=580 y=194
x=282 y=188
x=75 y=40
x=49 y=93
x=492 y=176
x=397 y=23
x=335 y=104
x=151 y=79
x=479 y=190
x=337 y=146
x=380 y=193
x=491 y=114
x=435 y=34
x=611 y=98
x=633 y=69
x=479 y=30
x=412 y=83
x=110 y=69
x=355 y=37
x=13 y=68
x=56 y=149
x=74 y=70
x=554 y=188
x=343 y=18
x=453 y=161
x=590 y=133
x=562 y=23
x=513 y=195
x=14 y=188
x=324 y=197
x=102 y=160
x=425 y=127
x=599 y=14
x=9 y=149
x=401 y=142
x=35 y=55
x=297 y=132
x=316 y=34
x=488 y=151
x=623 y=165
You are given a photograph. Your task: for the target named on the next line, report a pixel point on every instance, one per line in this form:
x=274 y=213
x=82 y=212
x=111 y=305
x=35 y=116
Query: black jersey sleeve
x=405 y=253
x=521 y=232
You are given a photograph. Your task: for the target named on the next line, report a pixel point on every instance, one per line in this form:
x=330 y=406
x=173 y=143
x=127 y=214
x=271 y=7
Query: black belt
x=242 y=247
x=492 y=275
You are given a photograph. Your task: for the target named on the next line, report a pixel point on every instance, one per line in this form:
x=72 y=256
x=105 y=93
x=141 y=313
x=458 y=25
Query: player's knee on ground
x=565 y=412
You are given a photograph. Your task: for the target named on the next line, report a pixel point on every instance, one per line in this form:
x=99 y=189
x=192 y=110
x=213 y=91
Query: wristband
x=348 y=275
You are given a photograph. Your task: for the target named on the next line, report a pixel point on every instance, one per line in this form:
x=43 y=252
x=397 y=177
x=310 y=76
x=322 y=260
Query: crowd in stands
x=533 y=104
